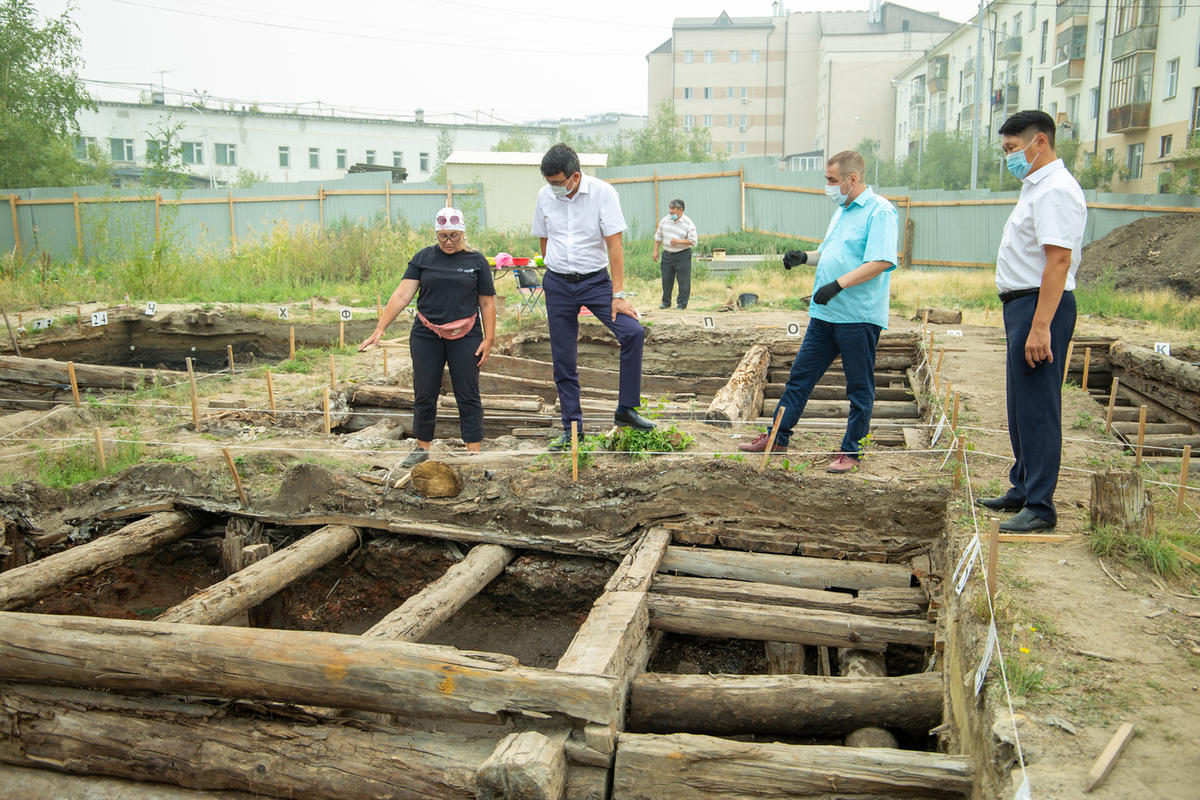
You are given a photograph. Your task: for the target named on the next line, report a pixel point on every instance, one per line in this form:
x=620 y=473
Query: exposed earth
x=1161 y=251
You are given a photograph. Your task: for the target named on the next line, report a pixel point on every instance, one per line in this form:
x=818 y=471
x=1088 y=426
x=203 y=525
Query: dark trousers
x=1035 y=404
x=563 y=301
x=823 y=342
x=677 y=266
x=430 y=354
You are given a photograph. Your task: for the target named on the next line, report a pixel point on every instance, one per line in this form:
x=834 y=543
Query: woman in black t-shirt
x=455 y=292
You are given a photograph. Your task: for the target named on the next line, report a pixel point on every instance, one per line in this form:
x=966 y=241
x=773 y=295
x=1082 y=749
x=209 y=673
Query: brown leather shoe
x=759 y=445
x=842 y=464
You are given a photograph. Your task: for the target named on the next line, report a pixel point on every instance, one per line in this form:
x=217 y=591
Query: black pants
x=430 y=353
x=1035 y=404
x=677 y=265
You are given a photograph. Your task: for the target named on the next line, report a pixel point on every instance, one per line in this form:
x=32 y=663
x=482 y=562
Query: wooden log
x=717 y=618
x=45 y=783
x=524 y=766
x=773 y=391
x=639 y=566
x=610 y=379
x=865 y=664
x=806 y=573
x=1155 y=366
x=1167 y=445
x=256 y=583
x=871 y=736
x=783 y=705
x=22 y=585
x=208 y=747
x=1159 y=388
x=785 y=658
x=422 y=613
x=742 y=397
x=689 y=767
x=307 y=667
x=49 y=372
x=938 y=316
x=402 y=397
x=1130 y=429
x=876 y=602
x=1119 y=499
x=839 y=409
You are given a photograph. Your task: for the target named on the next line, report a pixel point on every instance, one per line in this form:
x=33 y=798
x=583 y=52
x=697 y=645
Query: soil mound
x=1153 y=253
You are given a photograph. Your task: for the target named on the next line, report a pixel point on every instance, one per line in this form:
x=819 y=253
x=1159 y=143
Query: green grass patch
x=77 y=464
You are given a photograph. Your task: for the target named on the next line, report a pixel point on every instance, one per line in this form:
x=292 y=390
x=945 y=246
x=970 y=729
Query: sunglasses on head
x=453 y=219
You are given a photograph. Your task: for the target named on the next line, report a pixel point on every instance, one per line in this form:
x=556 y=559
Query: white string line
x=1189 y=487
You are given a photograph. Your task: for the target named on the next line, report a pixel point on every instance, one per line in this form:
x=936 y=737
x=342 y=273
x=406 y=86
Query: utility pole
x=978 y=99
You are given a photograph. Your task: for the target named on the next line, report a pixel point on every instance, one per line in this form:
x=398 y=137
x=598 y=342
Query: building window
x=688 y=121
x=1109 y=155
x=1095 y=103
x=733 y=56
x=1073 y=109
x=226 y=155
x=1017 y=24
x=84 y=145
x=729 y=120
x=729 y=147
x=285 y=157
x=1195 y=116
x=708 y=56
x=742 y=122
x=688 y=57
x=1045 y=39
x=424 y=159
x=741 y=147
x=121 y=149
x=1029 y=71
x=314 y=158
x=687 y=93
x=1178 y=10
x=1033 y=17
x=708 y=120
x=729 y=93
x=754 y=56
x=397 y=159
x=1164 y=146
x=193 y=152
x=1041 y=95
x=708 y=147
x=744 y=94
x=1172 y=78
x=370 y=156
x=708 y=93
x=154 y=147
x=341 y=158
x=1133 y=160
x=1098 y=36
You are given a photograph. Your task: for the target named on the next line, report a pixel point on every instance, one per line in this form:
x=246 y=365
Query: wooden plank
x=306 y=667
x=689 y=767
x=729 y=619
x=609 y=635
x=593 y=378
x=1046 y=538
x=49 y=372
x=1186 y=555
x=801 y=571
x=741 y=398
x=524 y=766
x=1108 y=757
x=783 y=705
x=22 y=585
x=905 y=603
x=422 y=613
x=641 y=563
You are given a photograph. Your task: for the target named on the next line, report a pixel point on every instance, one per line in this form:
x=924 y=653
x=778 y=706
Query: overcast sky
x=510 y=60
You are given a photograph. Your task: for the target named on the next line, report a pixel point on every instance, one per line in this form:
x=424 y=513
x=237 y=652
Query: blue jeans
x=823 y=342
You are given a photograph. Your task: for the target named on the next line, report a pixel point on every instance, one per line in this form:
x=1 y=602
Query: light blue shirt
x=865 y=229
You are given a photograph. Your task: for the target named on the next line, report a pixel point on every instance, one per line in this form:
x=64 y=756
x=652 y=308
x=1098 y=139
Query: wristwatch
x=618 y=295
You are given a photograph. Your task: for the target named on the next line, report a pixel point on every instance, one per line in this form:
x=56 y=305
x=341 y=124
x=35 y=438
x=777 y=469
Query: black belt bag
x=575 y=277
x=1005 y=297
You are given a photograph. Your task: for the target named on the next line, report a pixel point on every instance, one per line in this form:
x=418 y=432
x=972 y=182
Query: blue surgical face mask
x=836 y=194
x=1018 y=164
x=674 y=217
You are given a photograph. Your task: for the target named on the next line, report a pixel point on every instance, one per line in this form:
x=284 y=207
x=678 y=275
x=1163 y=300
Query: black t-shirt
x=450 y=284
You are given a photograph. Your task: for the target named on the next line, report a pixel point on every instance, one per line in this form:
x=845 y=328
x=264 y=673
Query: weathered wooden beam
x=48 y=372
x=742 y=397
x=838 y=542
x=402 y=397
x=27 y=782
x=307 y=667
x=422 y=613
x=524 y=766
x=807 y=573
x=254 y=584
x=783 y=705
x=592 y=378
x=688 y=767
x=838 y=409
x=202 y=746
x=876 y=602
x=22 y=585
x=723 y=618
x=640 y=564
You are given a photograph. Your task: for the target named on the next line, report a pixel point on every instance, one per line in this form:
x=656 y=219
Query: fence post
x=909 y=235
x=387 y=200
x=657 y=214
x=12 y=204
x=742 y=193
x=157 y=208
x=78 y=225
x=321 y=207
x=232 y=229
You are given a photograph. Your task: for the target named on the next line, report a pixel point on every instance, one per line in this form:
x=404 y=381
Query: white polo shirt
x=575 y=227
x=1051 y=210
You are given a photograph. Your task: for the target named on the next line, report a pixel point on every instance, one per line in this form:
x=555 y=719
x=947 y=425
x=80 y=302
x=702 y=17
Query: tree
x=445 y=147
x=517 y=141
x=664 y=139
x=41 y=94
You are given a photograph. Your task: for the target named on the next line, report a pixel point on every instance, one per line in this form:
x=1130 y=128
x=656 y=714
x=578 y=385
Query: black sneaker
x=561 y=443
x=415 y=457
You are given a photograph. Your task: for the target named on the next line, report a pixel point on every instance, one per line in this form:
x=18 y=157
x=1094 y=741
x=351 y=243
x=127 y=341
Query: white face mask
x=561 y=191
x=836 y=194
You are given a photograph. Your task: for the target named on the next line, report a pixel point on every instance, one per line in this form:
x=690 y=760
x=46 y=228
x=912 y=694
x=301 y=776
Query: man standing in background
x=1035 y=274
x=677 y=235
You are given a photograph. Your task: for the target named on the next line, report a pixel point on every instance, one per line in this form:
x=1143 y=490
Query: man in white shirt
x=677 y=234
x=1035 y=273
x=578 y=221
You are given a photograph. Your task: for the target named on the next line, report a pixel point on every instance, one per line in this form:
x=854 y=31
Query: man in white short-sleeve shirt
x=1035 y=274
x=579 y=224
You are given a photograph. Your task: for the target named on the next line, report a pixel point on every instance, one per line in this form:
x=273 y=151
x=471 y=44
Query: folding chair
x=529 y=283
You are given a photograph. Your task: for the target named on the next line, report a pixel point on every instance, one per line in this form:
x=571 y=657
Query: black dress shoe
x=1026 y=522
x=632 y=419
x=665 y=305
x=1004 y=503
x=562 y=443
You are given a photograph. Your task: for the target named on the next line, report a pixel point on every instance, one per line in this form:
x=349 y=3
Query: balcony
x=1009 y=49
x=1012 y=94
x=938 y=74
x=1129 y=117
x=968 y=68
x=1141 y=38
x=1067 y=72
x=1069 y=9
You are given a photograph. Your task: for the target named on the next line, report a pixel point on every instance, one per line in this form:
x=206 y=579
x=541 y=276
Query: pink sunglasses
x=453 y=219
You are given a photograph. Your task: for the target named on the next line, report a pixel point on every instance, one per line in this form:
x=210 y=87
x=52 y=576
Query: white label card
x=1023 y=791
x=988 y=650
x=937 y=433
x=151 y=308
x=283 y=312
x=963 y=563
x=346 y=314
x=709 y=322
x=954 y=333
x=1163 y=347
x=42 y=324
x=794 y=329
x=99 y=318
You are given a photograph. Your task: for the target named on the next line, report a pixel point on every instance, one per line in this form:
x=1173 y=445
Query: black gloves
x=794 y=257
x=826 y=293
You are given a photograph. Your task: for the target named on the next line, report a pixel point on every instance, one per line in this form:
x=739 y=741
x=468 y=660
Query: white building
x=218 y=142
x=603 y=130
x=1123 y=77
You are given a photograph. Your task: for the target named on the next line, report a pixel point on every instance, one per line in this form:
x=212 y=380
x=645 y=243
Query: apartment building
x=793 y=82
x=1123 y=77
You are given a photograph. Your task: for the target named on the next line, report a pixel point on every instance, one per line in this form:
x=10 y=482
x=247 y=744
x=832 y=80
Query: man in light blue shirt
x=849 y=307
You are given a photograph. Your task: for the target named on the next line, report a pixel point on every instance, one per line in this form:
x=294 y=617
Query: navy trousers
x=563 y=301
x=1035 y=404
x=823 y=342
